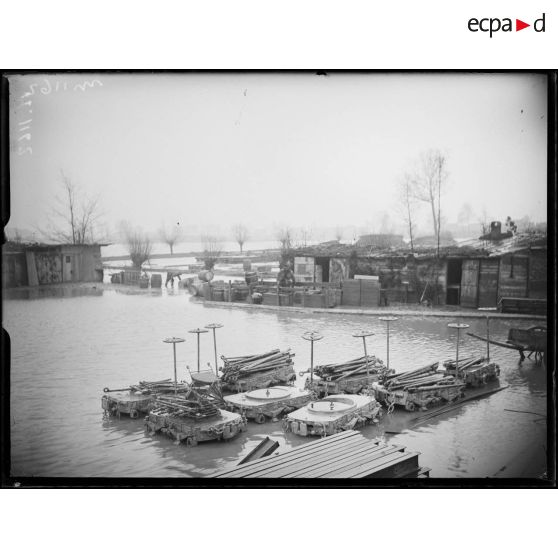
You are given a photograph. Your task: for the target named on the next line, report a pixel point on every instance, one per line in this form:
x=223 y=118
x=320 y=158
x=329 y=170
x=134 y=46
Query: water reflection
x=52 y=291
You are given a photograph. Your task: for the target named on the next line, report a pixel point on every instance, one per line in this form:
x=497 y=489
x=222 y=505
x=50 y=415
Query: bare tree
x=485 y=227
x=305 y=235
x=76 y=216
x=429 y=184
x=138 y=243
x=14 y=235
x=212 y=249
x=240 y=234
x=338 y=234
x=407 y=200
x=171 y=236
x=285 y=237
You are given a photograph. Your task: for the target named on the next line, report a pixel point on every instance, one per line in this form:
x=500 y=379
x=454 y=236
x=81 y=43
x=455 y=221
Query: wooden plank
x=32 y=276
x=378 y=460
x=376 y=468
x=469 y=283
x=310 y=446
x=413 y=473
x=369 y=468
x=349 y=461
x=298 y=457
x=399 y=468
x=488 y=283
x=315 y=461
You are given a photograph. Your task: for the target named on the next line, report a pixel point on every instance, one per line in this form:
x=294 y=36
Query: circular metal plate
x=337 y=405
x=269 y=394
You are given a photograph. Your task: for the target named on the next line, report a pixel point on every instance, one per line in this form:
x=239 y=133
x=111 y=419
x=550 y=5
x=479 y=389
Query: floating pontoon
x=332 y=414
x=268 y=402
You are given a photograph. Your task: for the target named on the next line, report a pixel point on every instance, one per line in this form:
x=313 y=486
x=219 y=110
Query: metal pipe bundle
x=159 y=386
x=355 y=367
x=199 y=407
x=424 y=377
x=464 y=363
x=236 y=367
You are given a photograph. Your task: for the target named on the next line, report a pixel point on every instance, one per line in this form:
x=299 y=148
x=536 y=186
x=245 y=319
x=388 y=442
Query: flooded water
x=68 y=344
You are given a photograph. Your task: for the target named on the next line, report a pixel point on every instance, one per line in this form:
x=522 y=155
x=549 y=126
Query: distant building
x=476 y=273
x=45 y=264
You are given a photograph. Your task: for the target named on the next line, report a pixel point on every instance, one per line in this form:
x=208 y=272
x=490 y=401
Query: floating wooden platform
x=269 y=402
x=332 y=414
x=419 y=398
x=223 y=426
x=126 y=402
x=345 y=455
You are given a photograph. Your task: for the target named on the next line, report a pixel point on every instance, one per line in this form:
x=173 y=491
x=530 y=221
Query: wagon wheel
x=191 y=442
x=410 y=406
x=134 y=414
x=260 y=419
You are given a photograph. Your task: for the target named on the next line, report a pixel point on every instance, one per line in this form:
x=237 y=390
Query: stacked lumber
x=464 y=363
x=352 y=368
x=419 y=388
x=193 y=405
x=426 y=376
x=159 y=386
x=341 y=456
x=235 y=368
x=474 y=371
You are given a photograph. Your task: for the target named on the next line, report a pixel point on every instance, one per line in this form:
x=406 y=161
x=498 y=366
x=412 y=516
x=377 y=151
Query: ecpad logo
x=493 y=25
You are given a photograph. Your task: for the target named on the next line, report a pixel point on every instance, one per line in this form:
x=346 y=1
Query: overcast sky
x=265 y=149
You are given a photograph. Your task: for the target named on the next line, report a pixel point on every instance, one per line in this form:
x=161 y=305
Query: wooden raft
x=345 y=455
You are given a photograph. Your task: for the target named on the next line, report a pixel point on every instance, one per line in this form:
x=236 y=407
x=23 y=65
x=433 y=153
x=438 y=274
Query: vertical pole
x=457 y=356
x=312 y=361
x=215 y=349
x=366 y=360
x=175 y=382
x=360 y=292
x=387 y=344
x=198 y=352
x=487 y=338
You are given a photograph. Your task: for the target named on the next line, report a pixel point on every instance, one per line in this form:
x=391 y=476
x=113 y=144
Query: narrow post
x=458 y=327
x=364 y=335
x=312 y=361
x=360 y=292
x=214 y=327
x=174 y=356
x=174 y=341
x=198 y=331
x=488 y=331
x=312 y=336
x=388 y=319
